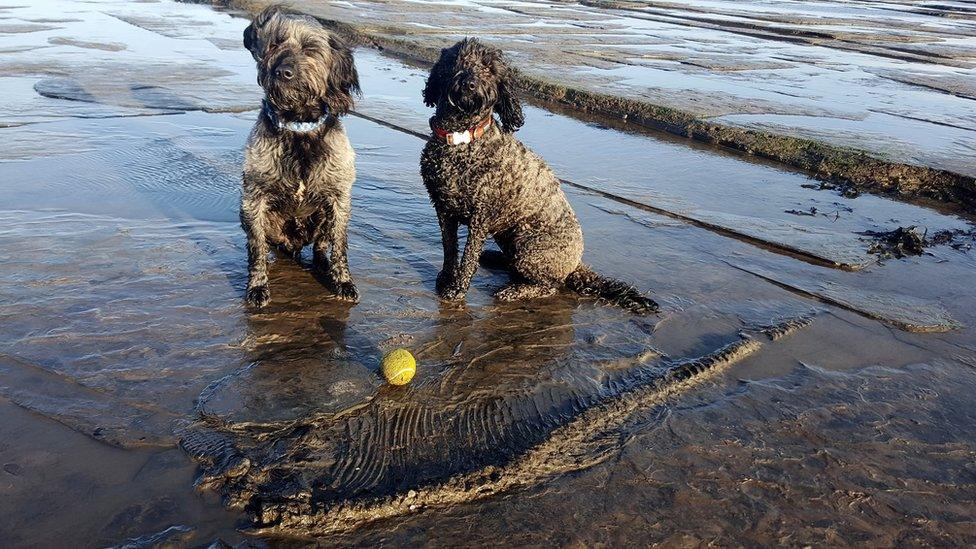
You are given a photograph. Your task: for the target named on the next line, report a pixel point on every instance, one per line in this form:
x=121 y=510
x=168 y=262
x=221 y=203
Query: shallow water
x=893 y=78
x=547 y=422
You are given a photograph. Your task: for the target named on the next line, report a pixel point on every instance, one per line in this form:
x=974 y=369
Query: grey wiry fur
x=497 y=187
x=297 y=186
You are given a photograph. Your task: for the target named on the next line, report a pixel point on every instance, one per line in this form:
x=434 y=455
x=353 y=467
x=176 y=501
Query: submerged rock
x=329 y=473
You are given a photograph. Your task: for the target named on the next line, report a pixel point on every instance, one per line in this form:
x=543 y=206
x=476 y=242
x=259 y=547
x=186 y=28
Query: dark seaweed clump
x=846 y=189
x=812 y=212
x=909 y=241
x=956 y=239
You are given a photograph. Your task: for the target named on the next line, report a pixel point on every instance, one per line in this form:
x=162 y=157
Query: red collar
x=467 y=136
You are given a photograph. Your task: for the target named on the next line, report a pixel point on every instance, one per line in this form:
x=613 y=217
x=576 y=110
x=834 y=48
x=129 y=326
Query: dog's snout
x=469 y=81
x=469 y=91
x=284 y=67
x=285 y=71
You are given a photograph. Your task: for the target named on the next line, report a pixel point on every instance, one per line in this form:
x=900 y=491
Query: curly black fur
x=471 y=77
x=499 y=188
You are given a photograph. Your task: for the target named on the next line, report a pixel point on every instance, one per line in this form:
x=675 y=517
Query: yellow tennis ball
x=398 y=367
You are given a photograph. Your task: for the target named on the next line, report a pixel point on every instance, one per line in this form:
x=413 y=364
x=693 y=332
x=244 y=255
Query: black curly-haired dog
x=479 y=175
x=298 y=165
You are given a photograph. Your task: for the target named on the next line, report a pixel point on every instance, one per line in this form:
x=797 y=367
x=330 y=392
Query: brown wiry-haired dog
x=298 y=166
x=479 y=175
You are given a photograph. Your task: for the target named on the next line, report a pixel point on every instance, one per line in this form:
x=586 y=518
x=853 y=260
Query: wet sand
x=841 y=415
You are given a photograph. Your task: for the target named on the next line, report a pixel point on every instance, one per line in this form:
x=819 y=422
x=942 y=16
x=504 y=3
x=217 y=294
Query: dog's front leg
x=464 y=272
x=254 y=222
x=335 y=234
x=449 y=238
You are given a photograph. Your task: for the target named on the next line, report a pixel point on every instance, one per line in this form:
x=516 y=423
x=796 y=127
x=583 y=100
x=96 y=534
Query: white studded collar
x=297 y=127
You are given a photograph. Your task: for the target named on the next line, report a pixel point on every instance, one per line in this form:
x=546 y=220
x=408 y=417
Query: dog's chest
x=459 y=194
x=302 y=175
x=302 y=158
x=298 y=193
x=293 y=191
x=455 y=178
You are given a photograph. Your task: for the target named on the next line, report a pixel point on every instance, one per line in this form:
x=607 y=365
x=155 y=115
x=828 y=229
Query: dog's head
x=470 y=80
x=301 y=65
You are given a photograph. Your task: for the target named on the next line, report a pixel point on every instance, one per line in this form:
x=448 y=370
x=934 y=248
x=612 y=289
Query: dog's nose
x=285 y=72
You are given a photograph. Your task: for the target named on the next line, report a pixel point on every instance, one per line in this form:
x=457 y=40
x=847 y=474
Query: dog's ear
x=252 y=34
x=343 y=78
x=251 y=41
x=508 y=106
x=438 y=76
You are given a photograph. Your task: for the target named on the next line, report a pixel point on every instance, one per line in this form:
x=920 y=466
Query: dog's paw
x=346 y=291
x=443 y=281
x=258 y=296
x=440 y=282
x=451 y=293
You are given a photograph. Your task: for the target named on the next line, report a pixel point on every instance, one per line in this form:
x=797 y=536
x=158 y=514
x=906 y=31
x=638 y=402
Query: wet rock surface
x=788 y=393
x=811 y=86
